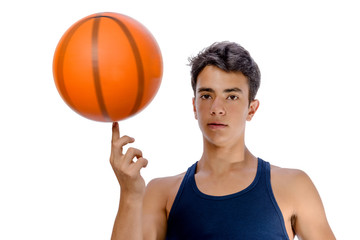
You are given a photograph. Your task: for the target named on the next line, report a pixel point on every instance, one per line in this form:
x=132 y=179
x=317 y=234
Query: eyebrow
x=227 y=90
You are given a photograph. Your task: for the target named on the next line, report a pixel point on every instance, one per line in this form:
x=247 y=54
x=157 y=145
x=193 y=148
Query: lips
x=217 y=125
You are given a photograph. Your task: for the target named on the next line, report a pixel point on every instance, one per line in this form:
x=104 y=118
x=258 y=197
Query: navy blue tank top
x=251 y=214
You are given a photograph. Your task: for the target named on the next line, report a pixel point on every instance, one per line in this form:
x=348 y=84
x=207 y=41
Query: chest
x=224 y=185
x=246 y=217
x=250 y=213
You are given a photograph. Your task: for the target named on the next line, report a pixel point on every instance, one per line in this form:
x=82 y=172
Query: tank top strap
x=267 y=171
x=262 y=169
x=267 y=175
x=187 y=178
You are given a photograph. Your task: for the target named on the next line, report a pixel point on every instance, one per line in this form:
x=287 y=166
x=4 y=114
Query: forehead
x=217 y=79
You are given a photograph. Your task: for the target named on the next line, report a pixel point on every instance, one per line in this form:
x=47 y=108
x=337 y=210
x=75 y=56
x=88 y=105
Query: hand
x=126 y=169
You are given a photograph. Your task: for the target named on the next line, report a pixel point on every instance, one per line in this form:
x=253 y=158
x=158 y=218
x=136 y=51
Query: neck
x=220 y=159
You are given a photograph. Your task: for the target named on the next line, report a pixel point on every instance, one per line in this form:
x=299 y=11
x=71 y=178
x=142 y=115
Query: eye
x=233 y=97
x=205 y=96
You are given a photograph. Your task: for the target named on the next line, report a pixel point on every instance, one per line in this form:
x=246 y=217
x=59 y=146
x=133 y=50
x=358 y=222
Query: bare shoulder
x=287 y=172
x=291 y=179
x=300 y=201
x=165 y=183
x=164 y=190
x=159 y=195
x=289 y=187
x=294 y=182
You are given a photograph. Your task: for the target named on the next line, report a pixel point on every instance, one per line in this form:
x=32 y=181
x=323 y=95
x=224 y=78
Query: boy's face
x=221 y=105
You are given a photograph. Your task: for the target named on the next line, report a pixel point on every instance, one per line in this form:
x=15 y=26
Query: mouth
x=216 y=125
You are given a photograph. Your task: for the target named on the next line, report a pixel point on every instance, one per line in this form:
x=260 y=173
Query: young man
x=229 y=193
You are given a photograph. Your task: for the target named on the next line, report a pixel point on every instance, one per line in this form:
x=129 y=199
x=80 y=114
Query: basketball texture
x=107 y=67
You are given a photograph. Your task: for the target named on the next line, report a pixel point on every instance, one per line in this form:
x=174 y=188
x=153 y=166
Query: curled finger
x=140 y=163
x=131 y=153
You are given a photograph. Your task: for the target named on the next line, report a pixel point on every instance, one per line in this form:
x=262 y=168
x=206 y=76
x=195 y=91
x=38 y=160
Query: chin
x=216 y=141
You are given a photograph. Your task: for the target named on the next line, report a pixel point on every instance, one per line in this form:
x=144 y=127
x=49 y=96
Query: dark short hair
x=230 y=57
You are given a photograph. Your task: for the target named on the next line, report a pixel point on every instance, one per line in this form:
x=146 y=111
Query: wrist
x=131 y=198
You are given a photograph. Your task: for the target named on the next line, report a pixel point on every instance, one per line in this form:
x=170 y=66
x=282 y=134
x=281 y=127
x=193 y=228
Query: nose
x=217 y=107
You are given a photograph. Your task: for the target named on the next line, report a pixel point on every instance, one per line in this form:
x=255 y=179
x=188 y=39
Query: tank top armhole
x=179 y=193
x=272 y=197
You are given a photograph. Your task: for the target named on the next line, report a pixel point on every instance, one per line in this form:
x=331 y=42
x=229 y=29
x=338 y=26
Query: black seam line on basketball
x=95 y=67
x=139 y=64
x=60 y=65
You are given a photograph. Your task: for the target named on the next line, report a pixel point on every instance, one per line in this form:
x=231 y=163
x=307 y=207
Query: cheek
x=240 y=112
x=200 y=108
x=201 y=112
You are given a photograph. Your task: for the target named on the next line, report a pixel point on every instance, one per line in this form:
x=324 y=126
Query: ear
x=194 y=108
x=254 y=105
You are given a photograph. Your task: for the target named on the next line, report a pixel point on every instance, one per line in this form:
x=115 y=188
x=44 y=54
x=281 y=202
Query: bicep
x=311 y=222
x=154 y=222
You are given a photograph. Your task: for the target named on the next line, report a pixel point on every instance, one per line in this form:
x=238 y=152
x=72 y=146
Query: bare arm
x=311 y=222
x=128 y=222
x=154 y=209
x=142 y=210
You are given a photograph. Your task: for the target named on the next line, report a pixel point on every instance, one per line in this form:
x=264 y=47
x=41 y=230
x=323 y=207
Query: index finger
x=115 y=131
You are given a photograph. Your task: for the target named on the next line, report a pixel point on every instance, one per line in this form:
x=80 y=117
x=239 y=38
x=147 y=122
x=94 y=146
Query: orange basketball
x=107 y=67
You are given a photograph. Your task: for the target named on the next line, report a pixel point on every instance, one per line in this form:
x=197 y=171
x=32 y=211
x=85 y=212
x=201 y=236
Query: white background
x=55 y=178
